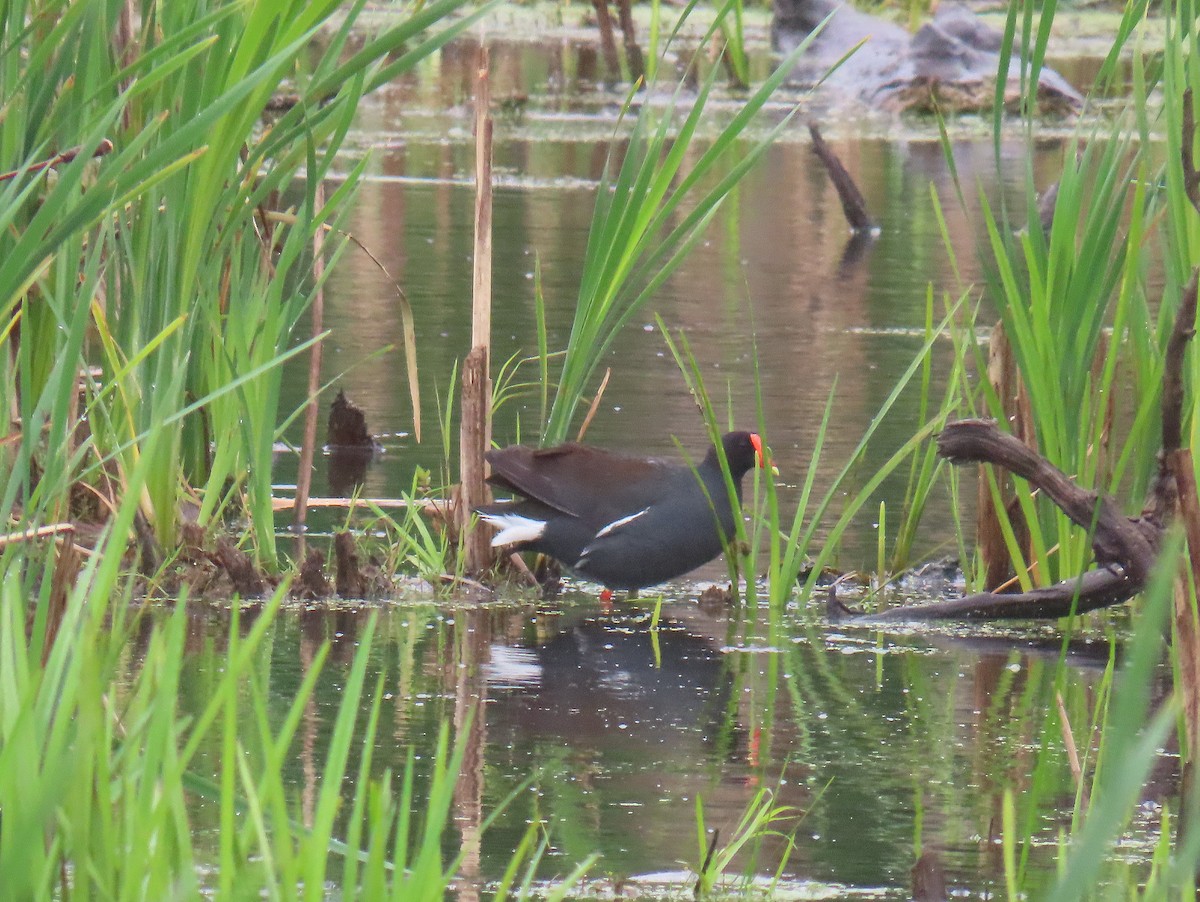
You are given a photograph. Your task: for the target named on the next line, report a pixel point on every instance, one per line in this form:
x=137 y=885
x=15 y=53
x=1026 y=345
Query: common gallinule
x=621 y=520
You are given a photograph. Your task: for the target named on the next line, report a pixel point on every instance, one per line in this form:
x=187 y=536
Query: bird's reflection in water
x=598 y=683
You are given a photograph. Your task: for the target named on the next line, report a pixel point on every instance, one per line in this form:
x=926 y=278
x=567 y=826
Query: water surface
x=881 y=743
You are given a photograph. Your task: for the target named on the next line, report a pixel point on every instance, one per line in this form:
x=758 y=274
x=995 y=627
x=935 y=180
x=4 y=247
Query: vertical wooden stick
x=475 y=433
x=1006 y=382
x=481 y=318
x=1187 y=620
x=308 y=445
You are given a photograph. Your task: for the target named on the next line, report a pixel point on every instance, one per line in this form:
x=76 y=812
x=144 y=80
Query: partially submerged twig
x=1091 y=591
x=853 y=205
x=521 y=567
x=472 y=584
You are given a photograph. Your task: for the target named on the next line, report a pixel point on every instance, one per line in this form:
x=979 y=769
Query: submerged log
x=312 y=584
x=349 y=579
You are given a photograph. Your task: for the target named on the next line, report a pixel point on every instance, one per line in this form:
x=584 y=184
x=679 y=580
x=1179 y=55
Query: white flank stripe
x=617 y=524
x=513 y=528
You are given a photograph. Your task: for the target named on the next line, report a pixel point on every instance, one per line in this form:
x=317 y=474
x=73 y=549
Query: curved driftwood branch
x=1115 y=539
x=1125 y=547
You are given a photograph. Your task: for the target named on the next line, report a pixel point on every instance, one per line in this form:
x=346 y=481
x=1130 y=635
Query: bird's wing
x=590 y=483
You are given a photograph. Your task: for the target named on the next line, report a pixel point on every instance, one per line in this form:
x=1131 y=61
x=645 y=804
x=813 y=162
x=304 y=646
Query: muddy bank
x=948 y=65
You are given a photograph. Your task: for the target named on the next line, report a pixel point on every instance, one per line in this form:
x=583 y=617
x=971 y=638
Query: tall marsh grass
x=1073 y=294
x=149 y=290
x=178 y=264
x=109 y=791
x=1070 y=285
x=791 y=533
x=659 y=192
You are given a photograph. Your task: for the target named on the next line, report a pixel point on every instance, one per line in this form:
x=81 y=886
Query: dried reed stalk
x=475 y=434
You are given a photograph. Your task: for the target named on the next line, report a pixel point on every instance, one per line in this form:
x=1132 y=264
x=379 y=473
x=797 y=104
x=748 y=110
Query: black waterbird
x=621 y=520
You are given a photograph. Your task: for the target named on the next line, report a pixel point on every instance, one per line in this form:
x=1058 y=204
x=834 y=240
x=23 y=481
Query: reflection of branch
x=1125 y=548
x=633 y=51
x=608 y=42
x=853 y=253
x=470 y=732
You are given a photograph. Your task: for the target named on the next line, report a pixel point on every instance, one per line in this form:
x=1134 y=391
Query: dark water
x=886 y=744
x=883 y=743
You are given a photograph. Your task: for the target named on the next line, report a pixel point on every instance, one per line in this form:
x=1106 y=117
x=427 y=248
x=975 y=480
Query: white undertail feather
x=513 y=528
